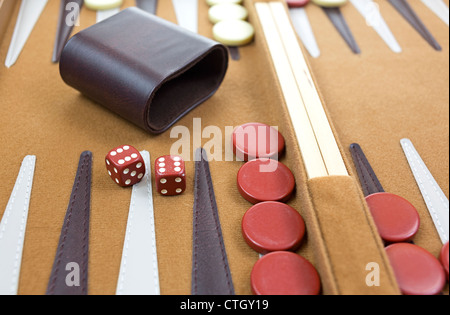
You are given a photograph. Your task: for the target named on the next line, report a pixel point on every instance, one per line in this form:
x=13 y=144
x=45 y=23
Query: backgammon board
x=374 y=98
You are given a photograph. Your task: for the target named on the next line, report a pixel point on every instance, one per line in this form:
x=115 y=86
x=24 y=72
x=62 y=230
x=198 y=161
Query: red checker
x=397 y=219
x=284 y=273
x=273 y=226
x=256 y=140
x=417 y=271
x=297 y=3
x=444 y=258
x=265 y=180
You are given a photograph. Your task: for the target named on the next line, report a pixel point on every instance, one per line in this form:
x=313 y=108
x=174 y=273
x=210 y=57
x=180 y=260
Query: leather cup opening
x=187 y=89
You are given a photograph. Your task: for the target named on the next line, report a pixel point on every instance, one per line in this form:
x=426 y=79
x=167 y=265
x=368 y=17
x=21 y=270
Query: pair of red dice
x=126 y=167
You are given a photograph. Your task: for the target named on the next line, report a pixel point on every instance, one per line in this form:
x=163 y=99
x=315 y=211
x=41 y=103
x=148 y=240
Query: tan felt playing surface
x=376 y=99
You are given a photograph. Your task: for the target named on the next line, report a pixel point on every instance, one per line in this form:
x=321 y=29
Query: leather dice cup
x=148 y=70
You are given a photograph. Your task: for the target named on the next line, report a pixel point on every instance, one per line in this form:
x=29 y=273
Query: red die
x=170 y=175
x=125 y=165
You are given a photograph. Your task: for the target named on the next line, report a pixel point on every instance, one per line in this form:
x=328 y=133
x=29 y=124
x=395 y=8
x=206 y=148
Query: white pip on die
x=170 y=175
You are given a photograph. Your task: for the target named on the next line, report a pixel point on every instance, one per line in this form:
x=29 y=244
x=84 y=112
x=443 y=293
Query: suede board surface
x=375 y=99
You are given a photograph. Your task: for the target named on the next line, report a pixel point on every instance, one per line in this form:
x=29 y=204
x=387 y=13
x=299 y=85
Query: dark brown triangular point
x=68 y=14
x=338 y=20
x=408 y=13
x=210 y=270
x=367 y=177
x=70 y=268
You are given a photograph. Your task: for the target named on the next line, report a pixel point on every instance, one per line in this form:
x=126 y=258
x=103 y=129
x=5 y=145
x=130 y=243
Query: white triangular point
x=304 y=30
x=187 y=14
x=29 y=14
x=370 y=11
x=439 y=8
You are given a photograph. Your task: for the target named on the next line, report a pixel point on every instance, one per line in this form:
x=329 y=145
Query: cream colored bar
x=303 y=130
x=328 y=146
